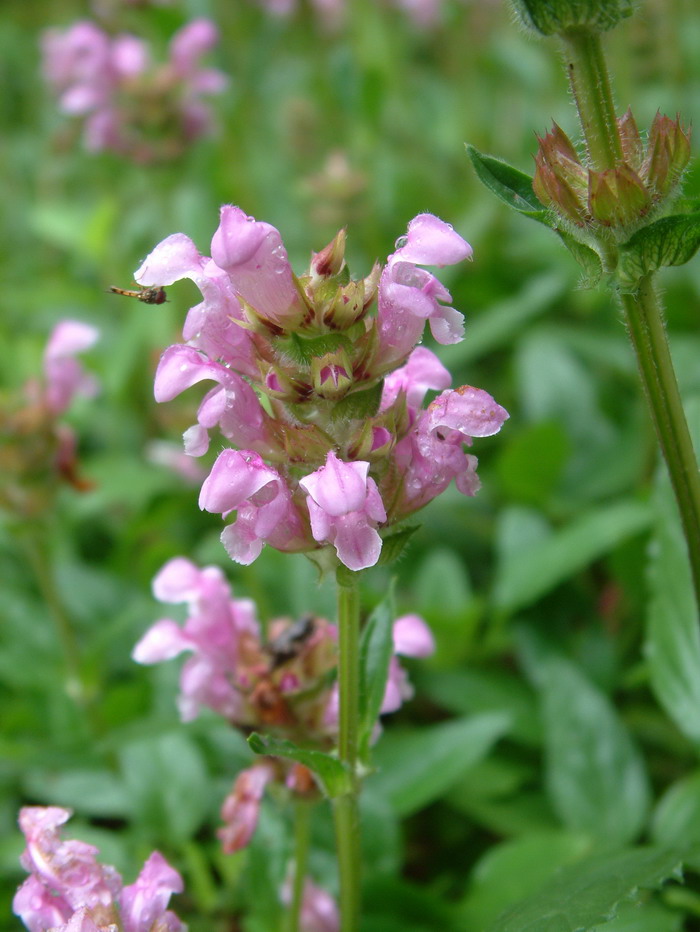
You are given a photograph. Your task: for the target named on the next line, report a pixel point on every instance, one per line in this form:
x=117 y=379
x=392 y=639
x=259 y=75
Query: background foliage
x=558 y=724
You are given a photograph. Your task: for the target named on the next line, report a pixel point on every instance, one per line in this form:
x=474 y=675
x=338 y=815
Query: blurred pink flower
x=64 y=376
x=127 y=103
x=68 y=890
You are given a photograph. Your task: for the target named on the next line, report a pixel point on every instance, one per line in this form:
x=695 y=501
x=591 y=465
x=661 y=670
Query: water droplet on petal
x=401 y=242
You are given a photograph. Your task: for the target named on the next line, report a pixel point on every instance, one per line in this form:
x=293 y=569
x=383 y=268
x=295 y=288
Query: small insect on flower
x=154 y=295
x=290 y=642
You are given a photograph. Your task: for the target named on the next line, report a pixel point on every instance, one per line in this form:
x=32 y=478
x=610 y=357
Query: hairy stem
x=345 y=808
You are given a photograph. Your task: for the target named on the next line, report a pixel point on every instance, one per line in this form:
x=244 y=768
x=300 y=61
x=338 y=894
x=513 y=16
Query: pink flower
x=412 y=638
x=252 y=254
x=70 y=891
x=144 y=903
x=432 y=454
x=408 y=296
x=240 y=481
x=214 y=631
x=345 y=506
x=421 y=372
x=64 y=375
x=319 y=911
x=241 y=808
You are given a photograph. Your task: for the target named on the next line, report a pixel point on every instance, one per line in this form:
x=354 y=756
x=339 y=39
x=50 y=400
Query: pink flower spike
x=471 y=411
x=413 y=637
x=65 y=376
x=431 y=241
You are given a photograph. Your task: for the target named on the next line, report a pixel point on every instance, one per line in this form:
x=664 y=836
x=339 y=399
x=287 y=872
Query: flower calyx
x=621 y=197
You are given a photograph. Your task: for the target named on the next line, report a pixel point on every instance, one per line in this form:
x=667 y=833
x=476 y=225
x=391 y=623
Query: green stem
x=590 y=85
x=39 y=561
x=302 y=835
x=646 y=329
x=345 y=808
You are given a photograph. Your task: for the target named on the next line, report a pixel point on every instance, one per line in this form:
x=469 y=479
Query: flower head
x=318 y=384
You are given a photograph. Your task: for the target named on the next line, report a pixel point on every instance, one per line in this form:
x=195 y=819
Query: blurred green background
x=535 y=589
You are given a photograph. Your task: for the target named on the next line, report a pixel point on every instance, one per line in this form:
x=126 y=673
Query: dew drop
x=401 y=242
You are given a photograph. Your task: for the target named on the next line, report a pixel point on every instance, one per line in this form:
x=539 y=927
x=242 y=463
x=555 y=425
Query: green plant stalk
x=645 y=326
x=39 y=561
x=589 y=81
x=345 y=807
x=590 y=85
x=302 y=835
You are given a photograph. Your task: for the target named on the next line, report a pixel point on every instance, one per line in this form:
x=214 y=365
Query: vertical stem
x=302 y=826
x=646 y=329
x=345 y=808
x=39 y=562
x=590 y=85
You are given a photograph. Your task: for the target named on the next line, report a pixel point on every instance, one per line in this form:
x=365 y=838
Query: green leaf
x=587 y=258
x=376 y=649
x=509 y=184
x=676 y=821
x=509 y=871
x=361 y=405
x=530 y=568
x=331 y=773
x=167 y=783
x=303 y=349
x=595 y=775
x=672 y=642
x=584 y=895
x=669 y=241
x=418 y=765
x=394 y=544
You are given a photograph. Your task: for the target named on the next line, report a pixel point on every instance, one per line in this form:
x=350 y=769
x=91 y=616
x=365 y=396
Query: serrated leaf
x=332 y=774
x=376 y=650
x=672 y=643
x=418 y=765
x=589 y=893
x=595 y=775
x=587 y=258
x=509 y=184
x=531 y=568
x=669 y=241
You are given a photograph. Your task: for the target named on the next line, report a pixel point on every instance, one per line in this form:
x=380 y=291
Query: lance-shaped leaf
x=588 y=894
x=669 y=241
x=509 y=184
x=672 y=637
x=332 y=775
x=376 y=649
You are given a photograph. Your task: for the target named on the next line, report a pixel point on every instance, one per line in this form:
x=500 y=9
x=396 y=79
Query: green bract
x=552 y=17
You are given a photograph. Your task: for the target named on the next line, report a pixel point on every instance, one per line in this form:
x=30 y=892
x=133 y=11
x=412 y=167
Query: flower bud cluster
x=618 y=198
x=320 y=385
x=127 y=103
x=283 y=682
x=37 y=449
x=68 y=890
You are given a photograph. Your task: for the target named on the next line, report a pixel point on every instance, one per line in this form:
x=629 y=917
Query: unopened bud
x=668 y=153
x=331 y=259
x=332 y=375
x=347 y=307
x=554 y=17
x=630 y=140
x=617 y=197
x=560 y=179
